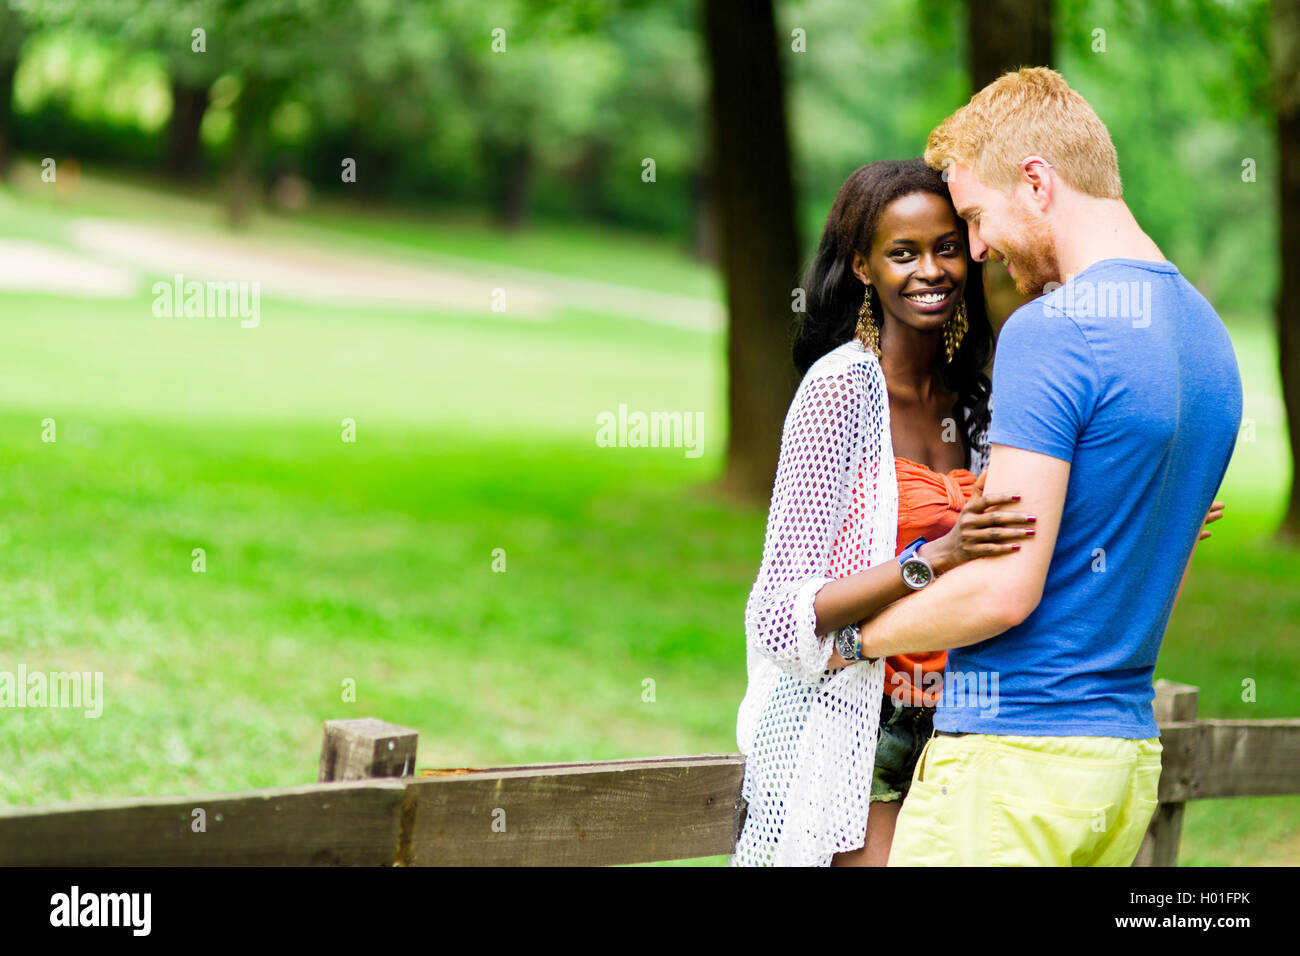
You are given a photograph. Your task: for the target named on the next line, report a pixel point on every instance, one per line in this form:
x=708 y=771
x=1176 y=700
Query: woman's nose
x=928 y=267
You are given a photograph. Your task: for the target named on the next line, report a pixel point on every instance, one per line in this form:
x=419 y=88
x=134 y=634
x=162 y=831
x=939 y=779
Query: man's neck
x=1100 y=229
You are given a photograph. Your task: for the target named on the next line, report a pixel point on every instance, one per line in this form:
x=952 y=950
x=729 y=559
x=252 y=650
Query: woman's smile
x=930 y=301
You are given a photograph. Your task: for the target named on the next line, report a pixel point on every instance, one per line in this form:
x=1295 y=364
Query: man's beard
x=1035 y=260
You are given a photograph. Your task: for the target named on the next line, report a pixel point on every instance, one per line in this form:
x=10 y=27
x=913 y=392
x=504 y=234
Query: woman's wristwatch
x=917 y=572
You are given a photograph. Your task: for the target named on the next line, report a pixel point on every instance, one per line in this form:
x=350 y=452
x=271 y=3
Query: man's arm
x=982 y=598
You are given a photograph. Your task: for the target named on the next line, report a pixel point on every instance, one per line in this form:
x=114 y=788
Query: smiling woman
x=878 y=459
x=917 y=266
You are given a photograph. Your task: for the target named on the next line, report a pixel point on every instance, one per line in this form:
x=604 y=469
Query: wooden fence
x=371 y=808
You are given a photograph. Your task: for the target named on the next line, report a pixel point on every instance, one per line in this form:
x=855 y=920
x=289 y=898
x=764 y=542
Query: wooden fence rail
x=369 y=807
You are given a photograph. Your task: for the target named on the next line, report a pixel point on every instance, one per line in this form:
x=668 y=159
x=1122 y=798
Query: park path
x=110 y=258
x=30 y=266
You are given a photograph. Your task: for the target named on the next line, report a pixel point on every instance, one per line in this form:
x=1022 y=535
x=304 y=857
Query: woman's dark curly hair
x=834 y=293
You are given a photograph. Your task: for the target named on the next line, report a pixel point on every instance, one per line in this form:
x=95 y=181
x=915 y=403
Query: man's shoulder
x=1040 y=321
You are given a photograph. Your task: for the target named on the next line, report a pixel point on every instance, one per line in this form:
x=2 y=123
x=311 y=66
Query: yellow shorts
x=999 y=800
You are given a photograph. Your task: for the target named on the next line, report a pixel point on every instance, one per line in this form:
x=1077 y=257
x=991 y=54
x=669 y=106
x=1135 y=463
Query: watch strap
x=910 y=551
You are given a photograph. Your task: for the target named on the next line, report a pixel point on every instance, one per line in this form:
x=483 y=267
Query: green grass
x=329 y=561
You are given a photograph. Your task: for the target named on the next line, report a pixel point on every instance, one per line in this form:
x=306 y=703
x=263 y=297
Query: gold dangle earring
x=868 y=331
x=954 y=329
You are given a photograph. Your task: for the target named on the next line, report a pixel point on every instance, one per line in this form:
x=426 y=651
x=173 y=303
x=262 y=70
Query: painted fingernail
x=1031 y=531
x=1015 y=497
x=1015 y=547
x=1032 y=519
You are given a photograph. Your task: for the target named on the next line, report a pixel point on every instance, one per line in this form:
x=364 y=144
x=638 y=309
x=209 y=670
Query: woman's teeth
x=927 y=298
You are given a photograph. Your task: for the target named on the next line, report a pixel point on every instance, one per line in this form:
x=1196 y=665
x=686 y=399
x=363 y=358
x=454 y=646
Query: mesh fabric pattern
x=808 y=733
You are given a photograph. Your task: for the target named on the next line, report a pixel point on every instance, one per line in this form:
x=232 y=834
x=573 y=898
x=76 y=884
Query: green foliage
x=873 y=82
x=467 y=101
x=1181 y=85
x=13 y=31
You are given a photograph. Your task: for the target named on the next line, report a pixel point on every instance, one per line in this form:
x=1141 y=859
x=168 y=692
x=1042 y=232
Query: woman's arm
x=981 y=599
x=1214 y=514
x=978 y=532
x=812 y=481
x=787 y=619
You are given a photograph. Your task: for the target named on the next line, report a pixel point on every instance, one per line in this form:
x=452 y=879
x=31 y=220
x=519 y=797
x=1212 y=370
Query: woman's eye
x=899 y=254
x=950 y=247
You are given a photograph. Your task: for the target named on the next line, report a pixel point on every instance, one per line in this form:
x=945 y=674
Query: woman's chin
x=928 y=323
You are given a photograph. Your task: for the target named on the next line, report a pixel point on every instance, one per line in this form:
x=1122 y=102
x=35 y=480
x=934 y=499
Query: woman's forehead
x=917 y=214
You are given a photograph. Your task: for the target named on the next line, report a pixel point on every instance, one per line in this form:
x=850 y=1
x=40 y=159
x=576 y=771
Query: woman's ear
x=860 y=268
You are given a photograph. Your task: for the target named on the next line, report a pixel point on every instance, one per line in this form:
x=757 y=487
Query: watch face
x=916 y=574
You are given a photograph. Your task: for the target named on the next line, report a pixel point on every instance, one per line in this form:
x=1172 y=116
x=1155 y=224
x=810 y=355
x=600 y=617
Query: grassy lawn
x=372 y=561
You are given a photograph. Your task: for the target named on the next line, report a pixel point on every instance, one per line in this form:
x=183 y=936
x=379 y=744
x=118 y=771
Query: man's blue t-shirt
x=1127 y=373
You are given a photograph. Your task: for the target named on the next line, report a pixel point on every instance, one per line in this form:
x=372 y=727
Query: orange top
x=928 y=505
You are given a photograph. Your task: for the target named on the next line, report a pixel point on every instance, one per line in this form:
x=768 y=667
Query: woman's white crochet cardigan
x=808 y=734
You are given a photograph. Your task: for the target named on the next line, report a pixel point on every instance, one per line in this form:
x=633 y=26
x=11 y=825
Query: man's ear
x=860 y=268
x=1036 y=173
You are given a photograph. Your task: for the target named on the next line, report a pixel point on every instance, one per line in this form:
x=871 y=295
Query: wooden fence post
x=364 y=748
x=1174 y=704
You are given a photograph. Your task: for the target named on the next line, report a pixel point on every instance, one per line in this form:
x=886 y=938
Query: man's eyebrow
x=968 y=211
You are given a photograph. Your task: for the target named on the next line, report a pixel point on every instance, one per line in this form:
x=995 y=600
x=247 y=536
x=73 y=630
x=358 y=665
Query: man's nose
x=978 y=251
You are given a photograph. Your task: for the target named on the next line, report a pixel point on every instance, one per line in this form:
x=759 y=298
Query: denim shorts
x=903 y=735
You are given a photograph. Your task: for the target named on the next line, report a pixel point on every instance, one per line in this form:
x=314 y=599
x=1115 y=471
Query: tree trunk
x=512 y=180
x=1285 y=50
x=759 y=242
x=7 y=69
x=586 y=174
x=1005 y=35
x=13 y=33
x=252 y=116
x=705 y=238
x=184 y=147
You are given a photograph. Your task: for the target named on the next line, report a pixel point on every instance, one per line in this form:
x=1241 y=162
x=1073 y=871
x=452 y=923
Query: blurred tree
x=164 y=27
x=866 y=88
x=184 y=148
x=1285 y=52
x=13 y=31
x=1005 y=35
x=269 y=47
x=191 y=74
x=759 y=241
x=536 y=78
x=1202 y=69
